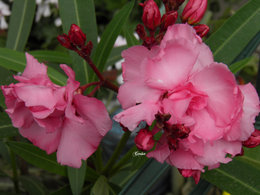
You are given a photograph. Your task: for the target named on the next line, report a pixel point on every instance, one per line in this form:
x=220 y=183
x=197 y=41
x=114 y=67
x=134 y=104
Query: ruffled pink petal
x=131 y=93
x=34 y=68
x=205 y=127
x=50 y=124
x=131 y=117
x=217 y=151
x=134 y=57
x=220 y=86
x=172 y=66
x=40 y=138
x=184 y=160
x=161 y=152
x=78 y=142
x=35 y=95
x=20 y=115
x=93 y=110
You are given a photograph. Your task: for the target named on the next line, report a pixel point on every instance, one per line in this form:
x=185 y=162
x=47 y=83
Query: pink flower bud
x=144 y=140
x=76 y=35
x=151 y=14
x=65 y=41
x=253 y=140
x=168 y=19
x=194 y=11
x=201 y=30
x=189 y=172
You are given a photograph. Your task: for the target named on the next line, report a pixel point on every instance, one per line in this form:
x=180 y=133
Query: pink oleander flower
x=144 y=140
x=210 y=115
x=56 y=118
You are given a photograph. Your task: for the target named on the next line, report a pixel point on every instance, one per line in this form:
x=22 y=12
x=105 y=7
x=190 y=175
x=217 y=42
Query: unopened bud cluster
x=192 y=14
x=75 y=40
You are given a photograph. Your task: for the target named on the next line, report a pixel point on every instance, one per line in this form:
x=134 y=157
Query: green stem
x=116 y=153
x=14 y=169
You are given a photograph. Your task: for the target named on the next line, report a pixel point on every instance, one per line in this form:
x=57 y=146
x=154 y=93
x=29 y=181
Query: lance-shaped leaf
x=33 y=186
x=230 y=39
x=109 y=36
x=82 y=13
x=37 y=157
x=76 y=178
x=20 y=24
x=6 y=127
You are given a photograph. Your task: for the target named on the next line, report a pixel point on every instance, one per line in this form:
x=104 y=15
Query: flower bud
x=141 y=31
x=171 y=5
x=151 y=15
x=191 y=173
x=86 y=50
x=194 y=11
x=201 y=30
x=65 y=41
x=144 y=140
x=168 y=19
x=76 y=36
x=253 y=140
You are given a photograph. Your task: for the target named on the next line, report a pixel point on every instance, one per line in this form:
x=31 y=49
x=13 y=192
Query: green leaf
x=230 y=39
x=100 y=187
x=82 y=13
x=237 y=66
x=236 y=177
x=4 y=152
x=76 y=178
x=52 y=56
x=14 y=60
x=37 y=157
x=6 y=127
x=109 y=36
x=145 y=178
x=91 y=174
x=20 y=24
x=129 y=35
x=33 y=186
x=251 y=156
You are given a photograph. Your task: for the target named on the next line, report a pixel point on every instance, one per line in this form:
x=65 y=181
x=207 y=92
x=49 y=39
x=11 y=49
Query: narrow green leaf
x=202 y=188
x=130 y=38
x=144 y=179
x=236 y=177
x=251 y=156
x=52 y=56
x=77 y=178
x=100 y=187
x=6 y=127
x=20 y=24
x=230 y=39
x=91 y=174
x=4 y=152
x=37 y=157
x=237 y=66
x=14 y=60
x=109 y=36
x=82 y=13
x=33 y=186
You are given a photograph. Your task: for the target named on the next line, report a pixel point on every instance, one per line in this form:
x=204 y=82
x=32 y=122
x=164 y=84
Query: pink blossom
x=56 y=118
x=144 y=140
x=210 y=115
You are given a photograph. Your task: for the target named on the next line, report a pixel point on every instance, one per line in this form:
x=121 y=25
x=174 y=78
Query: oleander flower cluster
x=203 y=114
x=56 y=118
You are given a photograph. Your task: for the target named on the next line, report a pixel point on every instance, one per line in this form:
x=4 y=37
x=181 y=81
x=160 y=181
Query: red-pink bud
x=191 y=173
x=65 y=41
x=141 y=31
x=253 y=140
x=194 y=11
x=86 y=50
x=201 y=30
x=144 y=140
x=151 y=15
x=76 y=36
x=168 y=19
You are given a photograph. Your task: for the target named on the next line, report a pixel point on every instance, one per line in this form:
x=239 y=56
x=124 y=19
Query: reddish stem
x=84 y=87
